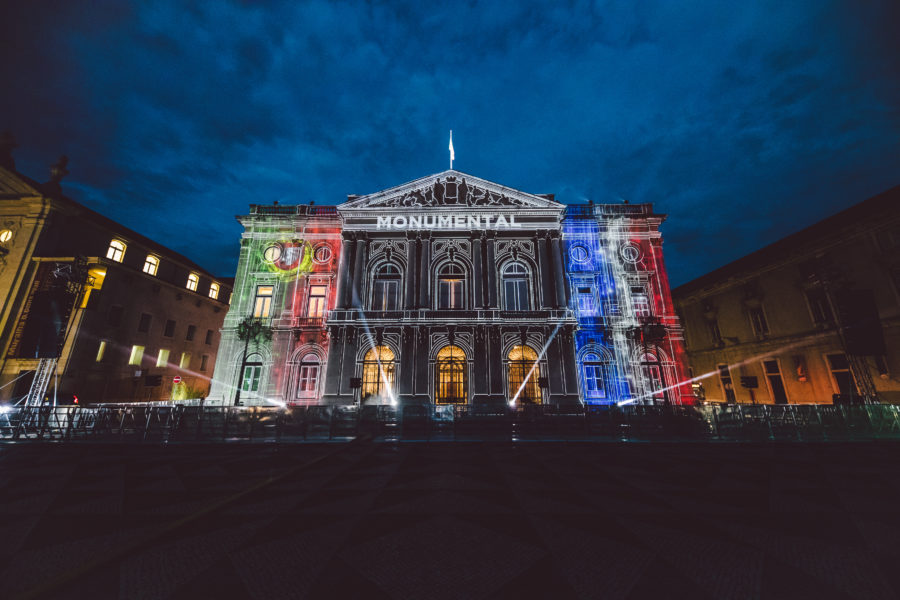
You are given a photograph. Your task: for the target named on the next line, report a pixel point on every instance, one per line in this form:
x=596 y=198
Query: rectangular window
x=641 y=302
x=308 y=381
x=586 y=304
x=144 y=323
x=250 y=378
x=841 y=377
x=209 y=335
x=101 y=350
x=170 y=328
x=191 y=332
x=185 y=360
x=204 y=362
x=137 y=353
x=819 y=307
x=594 y=381
x=162 y=359
x=262 y=307
x=316 y=307
x=776 y=383
x=116 y=250
x=714 y=334
x=450 y=293
x=114 y=317
x=758 y=321
x=385 y=294
x=515 y=291
x=727 y=384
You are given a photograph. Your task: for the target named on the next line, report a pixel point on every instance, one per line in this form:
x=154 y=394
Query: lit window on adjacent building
x=137 y=353
x=841 y=376
x=451 y=372
x=378 y=374
x=515 y=287
x=316 y=306
x=191 y=332
x=594 y=377
x=386 y=288
x=116 y=250
x=523 y=374
x=819 y=307
x=101 y=350
x=451 y=287
x=162 y=359
x=185 y=360
x=727 y=383
x=204 y=362
x=308 y=377
x=214 y=291
x=151 y=264
x=192 y=281
x=758 y=321
x=776 y=383
x=5 y=235
x=262 y=307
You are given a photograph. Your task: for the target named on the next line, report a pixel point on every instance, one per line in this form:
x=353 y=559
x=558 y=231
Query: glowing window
x=586 y=304
x=594 y=377
x=378 y=374
x=5 y=235
x=192 y=281
x=640 y=301
x=308 y=377
x=162 y=359
x=451 y=287
x=316 y=306
x=451 y=376
x=841 y=377
x=515 y=287
x=322 y=254
x=214 y=290
x=262 y=307
x=185 y=360
x=101 y=350
x=116 y=250
x=523 y=376
x=137 y=353
x=272 y=253
x=386 y=288
x=151 y=264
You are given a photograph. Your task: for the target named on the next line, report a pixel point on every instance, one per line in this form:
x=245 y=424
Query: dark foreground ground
x=451 y=520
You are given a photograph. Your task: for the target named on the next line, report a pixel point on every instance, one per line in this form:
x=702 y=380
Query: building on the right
x=811 y=318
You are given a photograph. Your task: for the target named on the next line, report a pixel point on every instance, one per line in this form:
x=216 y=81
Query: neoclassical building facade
x=451 y=290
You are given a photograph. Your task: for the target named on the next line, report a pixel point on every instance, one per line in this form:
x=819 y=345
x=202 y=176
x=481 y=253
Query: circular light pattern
x=272 y=253
x=322 y=254
x=5 y=235
x=631 y=252
x=579 y=254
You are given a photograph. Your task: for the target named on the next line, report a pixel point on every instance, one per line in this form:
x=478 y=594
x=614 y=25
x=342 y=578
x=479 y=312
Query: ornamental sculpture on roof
x=449 y=191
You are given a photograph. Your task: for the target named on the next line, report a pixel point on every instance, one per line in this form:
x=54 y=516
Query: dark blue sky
x=742 y=121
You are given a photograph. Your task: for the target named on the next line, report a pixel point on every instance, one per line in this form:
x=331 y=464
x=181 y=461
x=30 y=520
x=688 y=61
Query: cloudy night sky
x=742 y=121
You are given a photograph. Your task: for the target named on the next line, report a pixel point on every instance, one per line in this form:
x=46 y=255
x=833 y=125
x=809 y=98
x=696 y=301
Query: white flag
x=452 y=155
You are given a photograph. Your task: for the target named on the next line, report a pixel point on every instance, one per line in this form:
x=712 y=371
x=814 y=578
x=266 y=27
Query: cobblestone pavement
x=451 y=520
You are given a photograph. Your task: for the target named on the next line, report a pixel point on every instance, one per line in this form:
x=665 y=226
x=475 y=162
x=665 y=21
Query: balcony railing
x=450 y=315
x=293 y=209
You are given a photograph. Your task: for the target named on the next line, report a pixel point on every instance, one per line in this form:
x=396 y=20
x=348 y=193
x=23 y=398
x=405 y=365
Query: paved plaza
x=451 y=520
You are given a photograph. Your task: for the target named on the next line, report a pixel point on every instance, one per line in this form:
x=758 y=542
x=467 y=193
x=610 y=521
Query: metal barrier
x=192 y=423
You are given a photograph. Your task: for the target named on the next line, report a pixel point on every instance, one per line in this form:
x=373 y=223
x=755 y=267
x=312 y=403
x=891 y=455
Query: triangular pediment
x=13 y=185
x=450 y=189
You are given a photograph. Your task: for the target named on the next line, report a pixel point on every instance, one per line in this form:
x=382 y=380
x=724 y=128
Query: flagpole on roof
x=452 y=155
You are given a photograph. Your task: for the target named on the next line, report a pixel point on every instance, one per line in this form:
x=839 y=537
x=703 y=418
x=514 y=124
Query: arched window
x=151 y=264
x=516 y=294
x=192 y=281
x=308 y=377
x=652 y=380
x=252 y=374
x=594 y=377
x=116 y=250
x=451 y=286
x=214 y=290
x=450 y=373
x=378 y=375
x=524 y=373
x=386 y=288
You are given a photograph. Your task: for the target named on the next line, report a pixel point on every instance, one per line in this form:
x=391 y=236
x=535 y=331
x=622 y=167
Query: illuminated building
x=451 y=290
x=812 y=316
x=115 y=315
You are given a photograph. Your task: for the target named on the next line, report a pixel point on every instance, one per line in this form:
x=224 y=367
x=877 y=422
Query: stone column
x=407 y=366
x=548 y=293
x=344 y=285
x=491 y=272
x=348 y=370
x=410 y=272
x=423 y=383
x=331 y=393
x=558 y=271
x=478 y=280
x=425 y=271
x=358 y=265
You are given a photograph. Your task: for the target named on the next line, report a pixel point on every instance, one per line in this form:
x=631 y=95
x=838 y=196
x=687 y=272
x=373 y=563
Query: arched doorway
x=523 y=374
x=652 y=380
x=378 y=376
x=451 y=376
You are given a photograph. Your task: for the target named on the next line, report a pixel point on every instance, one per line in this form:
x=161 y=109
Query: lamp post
x=250 y=328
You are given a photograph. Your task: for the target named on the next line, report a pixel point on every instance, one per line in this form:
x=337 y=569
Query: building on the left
x=101 y=312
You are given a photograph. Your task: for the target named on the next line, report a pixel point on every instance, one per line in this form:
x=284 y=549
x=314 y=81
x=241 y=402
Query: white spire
x=452 y=155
